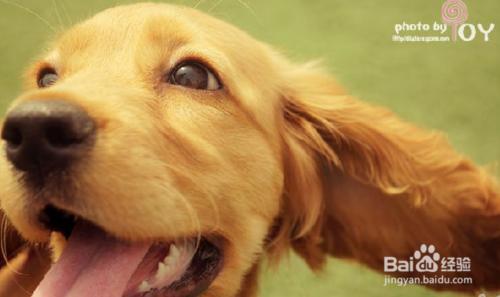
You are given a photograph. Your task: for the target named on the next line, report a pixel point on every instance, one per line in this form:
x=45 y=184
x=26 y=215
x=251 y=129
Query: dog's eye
x=47 y=77
x=194 y=75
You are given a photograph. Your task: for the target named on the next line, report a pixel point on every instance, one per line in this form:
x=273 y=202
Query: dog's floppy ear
x=361 y=183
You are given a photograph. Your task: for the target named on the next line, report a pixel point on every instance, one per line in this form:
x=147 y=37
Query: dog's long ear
x=361 y=183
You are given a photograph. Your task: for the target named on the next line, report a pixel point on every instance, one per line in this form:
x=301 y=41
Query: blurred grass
x=454 y=87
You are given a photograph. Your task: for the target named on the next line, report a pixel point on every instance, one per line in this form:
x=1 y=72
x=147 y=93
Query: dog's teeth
x=174 y=251
x=169 y=261
x=172 y=256
x=163 y=270
x=144 y=287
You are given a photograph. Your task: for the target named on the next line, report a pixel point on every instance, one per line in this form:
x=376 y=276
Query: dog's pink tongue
x=92 y=264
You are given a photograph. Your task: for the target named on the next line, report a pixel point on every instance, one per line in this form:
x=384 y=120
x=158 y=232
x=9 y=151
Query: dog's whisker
x=252 y=11
x=3 y=237
x=65 y=12
x=33 y=13
x=3 y=240
x=215 y=5
x=198 y=3
x=58 y=15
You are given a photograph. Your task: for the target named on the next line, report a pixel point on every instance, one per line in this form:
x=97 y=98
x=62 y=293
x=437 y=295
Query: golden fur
x=280 y=158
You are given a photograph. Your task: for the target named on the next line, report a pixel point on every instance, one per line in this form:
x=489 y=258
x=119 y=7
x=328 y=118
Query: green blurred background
x=454 y=87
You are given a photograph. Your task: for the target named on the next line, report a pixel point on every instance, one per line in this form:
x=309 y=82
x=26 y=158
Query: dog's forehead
x=128 y=28
x=120 y=29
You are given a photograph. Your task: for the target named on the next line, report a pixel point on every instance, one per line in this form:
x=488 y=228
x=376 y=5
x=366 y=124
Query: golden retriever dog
x=163 y=152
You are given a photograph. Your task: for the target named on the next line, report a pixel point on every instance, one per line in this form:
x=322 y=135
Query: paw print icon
x=427 y=258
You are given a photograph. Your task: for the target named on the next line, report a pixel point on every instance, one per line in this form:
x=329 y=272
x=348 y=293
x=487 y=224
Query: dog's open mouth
x=96 y=264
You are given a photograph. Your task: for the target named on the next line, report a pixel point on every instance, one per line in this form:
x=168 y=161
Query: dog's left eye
x=47 y=77
x=195 y=76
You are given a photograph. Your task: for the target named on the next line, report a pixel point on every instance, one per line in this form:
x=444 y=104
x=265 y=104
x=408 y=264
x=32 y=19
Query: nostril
x=13 y=136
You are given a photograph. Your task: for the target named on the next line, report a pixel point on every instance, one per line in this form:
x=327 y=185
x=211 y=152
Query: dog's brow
x=167 y=31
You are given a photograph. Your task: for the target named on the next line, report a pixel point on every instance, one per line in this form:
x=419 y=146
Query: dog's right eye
x=194 y=75
x=47 y=77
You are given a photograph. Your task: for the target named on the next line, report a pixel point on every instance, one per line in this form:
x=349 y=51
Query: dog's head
x=158 y=126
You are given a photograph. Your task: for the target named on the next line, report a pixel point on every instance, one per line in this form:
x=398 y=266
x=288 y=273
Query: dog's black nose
x=47 y=135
